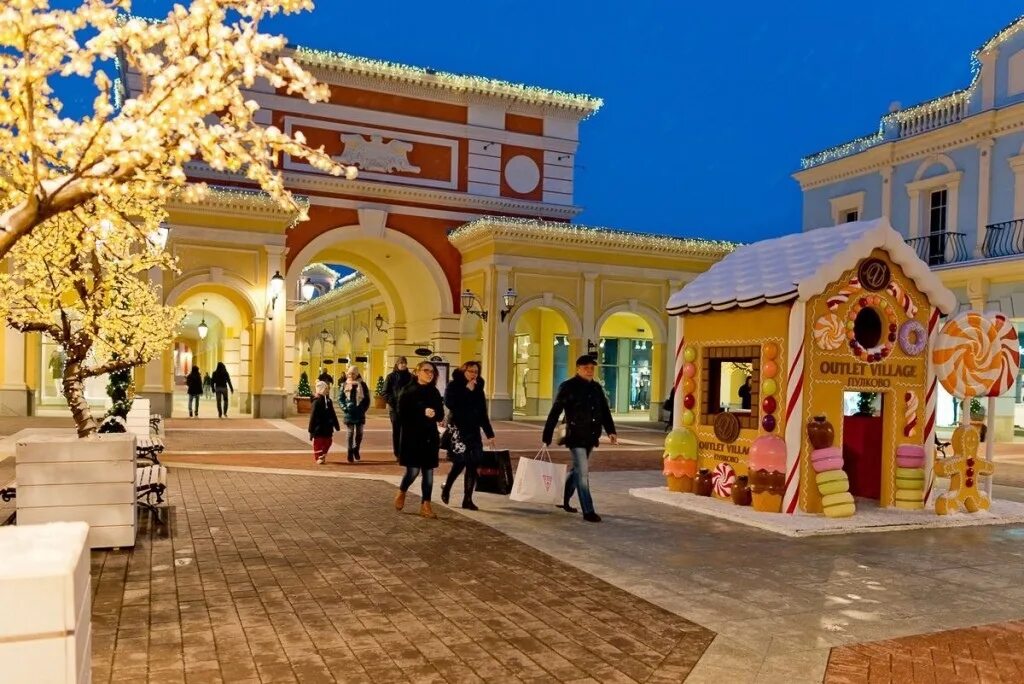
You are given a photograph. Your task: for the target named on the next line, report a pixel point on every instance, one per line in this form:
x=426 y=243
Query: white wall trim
x=844 y=203
x=549 y=301
x=656 y=320
x=917 y=190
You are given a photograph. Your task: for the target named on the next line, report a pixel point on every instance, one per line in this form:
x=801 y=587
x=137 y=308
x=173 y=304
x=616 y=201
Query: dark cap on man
x=586 y=360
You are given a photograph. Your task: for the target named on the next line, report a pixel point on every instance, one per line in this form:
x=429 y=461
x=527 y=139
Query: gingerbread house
x=820 y=336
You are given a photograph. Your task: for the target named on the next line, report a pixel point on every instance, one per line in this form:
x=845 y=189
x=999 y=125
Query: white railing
x=931 y=115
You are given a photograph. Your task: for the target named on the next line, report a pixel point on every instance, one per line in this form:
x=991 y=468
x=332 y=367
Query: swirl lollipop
x=977 y=356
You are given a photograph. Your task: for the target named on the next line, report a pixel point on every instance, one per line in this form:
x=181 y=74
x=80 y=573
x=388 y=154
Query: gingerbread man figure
x=963 y=469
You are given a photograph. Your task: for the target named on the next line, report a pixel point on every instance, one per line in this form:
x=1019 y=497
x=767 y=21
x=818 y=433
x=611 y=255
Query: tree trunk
x=74 y=394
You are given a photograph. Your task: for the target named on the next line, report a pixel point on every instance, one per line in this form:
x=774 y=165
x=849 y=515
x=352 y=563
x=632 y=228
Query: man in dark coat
x=393 y=384
x=585 y=405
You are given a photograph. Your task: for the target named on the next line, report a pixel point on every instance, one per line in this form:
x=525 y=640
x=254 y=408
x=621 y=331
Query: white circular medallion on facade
x=522 y=174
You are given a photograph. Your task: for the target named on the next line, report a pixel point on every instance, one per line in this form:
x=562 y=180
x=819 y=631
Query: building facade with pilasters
x=949 y=174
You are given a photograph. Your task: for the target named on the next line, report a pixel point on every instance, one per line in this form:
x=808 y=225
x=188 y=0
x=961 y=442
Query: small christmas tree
x=304 y=389
x=121 y=392
x=865 y=403
x=380 y=387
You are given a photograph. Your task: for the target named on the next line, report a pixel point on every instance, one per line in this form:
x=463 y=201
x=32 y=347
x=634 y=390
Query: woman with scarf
x=465 y=400
x=354 y=397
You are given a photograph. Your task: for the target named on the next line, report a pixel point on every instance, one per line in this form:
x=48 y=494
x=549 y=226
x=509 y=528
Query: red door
x=862 y=455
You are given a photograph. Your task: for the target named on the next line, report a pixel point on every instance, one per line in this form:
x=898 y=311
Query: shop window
x=560 y=366
x=624 y=370
x=730 y=381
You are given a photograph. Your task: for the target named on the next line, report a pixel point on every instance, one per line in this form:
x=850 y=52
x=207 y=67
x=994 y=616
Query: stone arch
x=232 y=287
x=931 y=161
x=563 y=307
x=402 y=281
x=645 y=312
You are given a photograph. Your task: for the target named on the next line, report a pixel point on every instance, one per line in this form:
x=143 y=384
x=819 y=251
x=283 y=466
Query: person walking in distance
x=194 y=385
x=467 y=408
x=393 y=384
x=354 y=397
x=420 y=409
x=326 y=377
x=207 y=386
x=323 y=422
x=585 y=405
x=221 y=384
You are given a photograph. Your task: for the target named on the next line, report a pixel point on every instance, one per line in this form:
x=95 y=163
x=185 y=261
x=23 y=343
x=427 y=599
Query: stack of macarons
x=910 y=477
x=833 y=484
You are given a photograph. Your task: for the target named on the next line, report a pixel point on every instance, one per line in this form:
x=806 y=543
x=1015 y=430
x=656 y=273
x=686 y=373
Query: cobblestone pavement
x=270 y=578
x=989 y=653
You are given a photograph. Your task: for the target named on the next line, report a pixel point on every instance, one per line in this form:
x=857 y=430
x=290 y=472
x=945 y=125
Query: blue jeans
x=193 y=400
x=578 y=479
x=426 y=484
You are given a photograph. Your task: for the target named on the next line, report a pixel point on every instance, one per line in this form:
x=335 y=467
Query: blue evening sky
x=708 y=106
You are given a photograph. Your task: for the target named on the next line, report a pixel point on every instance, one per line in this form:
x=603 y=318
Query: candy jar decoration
x=741 y=491
x=702 y=486
x=820 y=432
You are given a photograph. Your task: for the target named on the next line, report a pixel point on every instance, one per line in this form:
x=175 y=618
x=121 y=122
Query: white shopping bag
x=538 y=480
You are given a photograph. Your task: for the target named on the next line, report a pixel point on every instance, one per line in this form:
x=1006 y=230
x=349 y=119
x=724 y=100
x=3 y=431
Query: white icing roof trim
x=801 y=266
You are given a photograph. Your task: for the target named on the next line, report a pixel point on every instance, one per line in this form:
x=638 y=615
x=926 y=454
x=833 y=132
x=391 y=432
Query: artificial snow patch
x=869 y=517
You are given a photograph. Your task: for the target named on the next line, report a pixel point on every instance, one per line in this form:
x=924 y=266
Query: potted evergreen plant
x=978 y=417
x=378 y=394
x=304 y=395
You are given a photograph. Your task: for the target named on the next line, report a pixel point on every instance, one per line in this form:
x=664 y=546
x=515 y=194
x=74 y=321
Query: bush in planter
x=378 y=394
x=977 y=409
x=121 y=393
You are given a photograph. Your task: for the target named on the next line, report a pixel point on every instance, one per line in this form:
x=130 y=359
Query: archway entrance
x=389 y=297
x=541 y=359
x=218 y=328
x=630 y=363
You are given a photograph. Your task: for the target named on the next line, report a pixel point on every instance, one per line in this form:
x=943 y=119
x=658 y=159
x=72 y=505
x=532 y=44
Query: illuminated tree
x=195 y=66
x=82 y=279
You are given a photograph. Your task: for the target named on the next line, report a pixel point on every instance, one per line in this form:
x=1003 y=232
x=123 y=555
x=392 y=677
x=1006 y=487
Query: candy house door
x=862 y=442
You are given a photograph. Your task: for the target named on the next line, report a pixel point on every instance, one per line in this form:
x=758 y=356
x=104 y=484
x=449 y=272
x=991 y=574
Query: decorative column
x=501 y=398
x=589 y=307
x=272 y=399
x=158 y=384
x=886 y=174
x=15 y=397
x=984 y=193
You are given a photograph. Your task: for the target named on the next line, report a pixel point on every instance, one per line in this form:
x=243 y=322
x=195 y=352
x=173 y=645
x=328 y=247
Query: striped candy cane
x=930 y=401
x=677 y=398
x=794 y=405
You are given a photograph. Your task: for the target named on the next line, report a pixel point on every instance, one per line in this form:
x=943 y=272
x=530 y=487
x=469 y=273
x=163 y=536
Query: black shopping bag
x=494 y=473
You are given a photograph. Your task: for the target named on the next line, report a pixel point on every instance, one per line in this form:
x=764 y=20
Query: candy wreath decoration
x=887 y=315
x=913 y=338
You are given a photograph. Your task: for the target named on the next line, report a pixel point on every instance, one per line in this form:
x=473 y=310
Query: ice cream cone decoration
x=767 y=467
x=680 y=460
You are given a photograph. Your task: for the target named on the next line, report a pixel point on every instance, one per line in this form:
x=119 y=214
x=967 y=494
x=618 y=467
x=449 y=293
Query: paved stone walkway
x=270 y=578
x=989 y=653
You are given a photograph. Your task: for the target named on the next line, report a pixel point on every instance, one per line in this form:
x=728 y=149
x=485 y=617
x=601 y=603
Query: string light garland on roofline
x=443 y=79
x=256 y=199
x=936 y=105
x=518 y=227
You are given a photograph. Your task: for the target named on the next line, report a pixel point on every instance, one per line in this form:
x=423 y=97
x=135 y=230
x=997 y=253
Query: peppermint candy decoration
x=723 y=480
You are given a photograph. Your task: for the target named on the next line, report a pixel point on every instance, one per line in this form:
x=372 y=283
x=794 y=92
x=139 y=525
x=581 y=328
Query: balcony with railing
x=941 y=249
x=1004 y=239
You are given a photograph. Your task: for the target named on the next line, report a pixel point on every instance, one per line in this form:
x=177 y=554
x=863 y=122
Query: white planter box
x=91 y=480
x=137 y=421
x=45 y=629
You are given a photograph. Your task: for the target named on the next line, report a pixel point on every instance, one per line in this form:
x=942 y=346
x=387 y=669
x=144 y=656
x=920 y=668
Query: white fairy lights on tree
x=81 y=278
x=195 y=66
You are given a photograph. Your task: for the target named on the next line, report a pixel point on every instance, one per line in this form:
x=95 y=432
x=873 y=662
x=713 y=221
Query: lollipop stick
x=990 y=442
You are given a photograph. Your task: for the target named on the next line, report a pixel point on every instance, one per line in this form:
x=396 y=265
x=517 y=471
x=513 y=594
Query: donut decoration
x=913 y=337
x=977 y=355
x=829 y=332
x=887 y=314
x=722 y=480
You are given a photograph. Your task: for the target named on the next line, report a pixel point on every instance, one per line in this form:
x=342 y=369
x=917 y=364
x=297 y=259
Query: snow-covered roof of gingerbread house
x=801 y=266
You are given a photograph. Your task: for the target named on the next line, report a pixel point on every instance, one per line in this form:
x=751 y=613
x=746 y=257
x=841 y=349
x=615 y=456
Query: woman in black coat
x=194 y=385
x=420 y=409
x=323 y=422
x=467 y=408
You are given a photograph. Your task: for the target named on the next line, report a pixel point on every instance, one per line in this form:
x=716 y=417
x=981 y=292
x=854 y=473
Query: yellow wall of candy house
x=735 y=327
x=830 y=373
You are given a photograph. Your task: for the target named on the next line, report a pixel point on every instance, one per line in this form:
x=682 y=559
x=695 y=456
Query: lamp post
x=308 y=290
x=276 y=288
x=508 y=300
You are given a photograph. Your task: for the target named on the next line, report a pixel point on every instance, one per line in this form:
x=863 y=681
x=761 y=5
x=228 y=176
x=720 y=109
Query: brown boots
x=425 y=510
